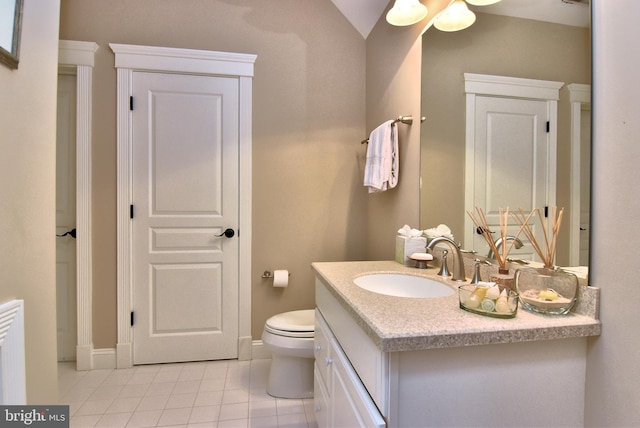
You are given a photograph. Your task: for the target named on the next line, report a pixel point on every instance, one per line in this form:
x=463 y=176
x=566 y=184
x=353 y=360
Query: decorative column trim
x=78 y=57
x=580 y=98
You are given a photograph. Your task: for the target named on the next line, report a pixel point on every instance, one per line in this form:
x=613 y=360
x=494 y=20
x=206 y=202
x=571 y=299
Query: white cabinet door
x=320 y=399
x=351 y=404
x=341 y=400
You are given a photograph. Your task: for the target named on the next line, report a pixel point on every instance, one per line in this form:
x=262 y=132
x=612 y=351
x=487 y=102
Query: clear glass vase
x=546 y=290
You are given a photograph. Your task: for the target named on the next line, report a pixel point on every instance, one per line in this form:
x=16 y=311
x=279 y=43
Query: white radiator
x=13 y=389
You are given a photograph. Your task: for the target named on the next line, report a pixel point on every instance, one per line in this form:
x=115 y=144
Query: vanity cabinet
x=357 y=383
x=340 y=399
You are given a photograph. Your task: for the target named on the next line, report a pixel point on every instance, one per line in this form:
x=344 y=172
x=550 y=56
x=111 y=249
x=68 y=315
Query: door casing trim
x=130 y=58
x=77 y=58
x=511 y=87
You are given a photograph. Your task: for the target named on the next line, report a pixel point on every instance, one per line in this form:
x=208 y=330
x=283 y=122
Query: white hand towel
x=381 y=168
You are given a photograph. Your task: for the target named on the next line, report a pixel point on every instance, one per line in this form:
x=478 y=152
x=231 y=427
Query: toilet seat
x=292 y=324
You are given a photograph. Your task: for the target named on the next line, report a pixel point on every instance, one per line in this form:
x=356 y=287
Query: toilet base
x=290 y=377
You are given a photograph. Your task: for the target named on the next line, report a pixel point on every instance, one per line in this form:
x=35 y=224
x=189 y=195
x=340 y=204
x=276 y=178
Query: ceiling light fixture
x=455 y=18
x=406 y=12
x=482 y=2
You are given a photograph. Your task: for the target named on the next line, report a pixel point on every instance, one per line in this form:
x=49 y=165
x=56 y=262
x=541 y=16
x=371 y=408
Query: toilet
x=289 y=337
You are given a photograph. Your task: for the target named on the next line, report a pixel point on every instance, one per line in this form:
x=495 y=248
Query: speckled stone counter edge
x=401 y=324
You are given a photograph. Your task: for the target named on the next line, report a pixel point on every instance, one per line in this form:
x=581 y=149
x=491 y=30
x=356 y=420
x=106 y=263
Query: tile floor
x=202 y=394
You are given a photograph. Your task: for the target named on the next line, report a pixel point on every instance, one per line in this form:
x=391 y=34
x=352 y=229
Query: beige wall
x=27 y=189
x=613 y=367
x=501 y=46
x=308 y=121
x=393 y=89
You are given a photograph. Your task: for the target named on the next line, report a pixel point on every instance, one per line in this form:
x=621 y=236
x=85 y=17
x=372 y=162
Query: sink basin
x=393 y=284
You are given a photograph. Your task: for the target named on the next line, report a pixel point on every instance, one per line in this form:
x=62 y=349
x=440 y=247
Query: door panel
x=511 y=167
x=66 y=218
x=185 y=192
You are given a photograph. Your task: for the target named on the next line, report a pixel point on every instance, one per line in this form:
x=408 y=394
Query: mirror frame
x=9 y=55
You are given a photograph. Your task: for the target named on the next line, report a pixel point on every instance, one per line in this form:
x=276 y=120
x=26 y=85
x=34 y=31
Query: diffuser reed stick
x=546 y=250
x=480 y=220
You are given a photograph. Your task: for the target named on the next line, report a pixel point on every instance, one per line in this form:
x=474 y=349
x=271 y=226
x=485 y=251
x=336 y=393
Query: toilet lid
x=292 y=324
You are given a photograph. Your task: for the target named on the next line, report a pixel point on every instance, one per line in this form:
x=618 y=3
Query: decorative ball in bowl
x=487 y=299
x=546 y=290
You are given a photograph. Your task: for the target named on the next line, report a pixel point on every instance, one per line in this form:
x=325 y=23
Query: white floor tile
x=94 y=407
x=235 y=396
x=84 y=421
x=258 y=409
x=154 y=402
x=234 y=411
x=124 y=405
x=209 y=398
x=178 y=401
x=297 y=420
x=184 y=387
x=113 y=420
x=174 y=417
x=145 y=418
x=204 y=414
x=215 y=394
x=234 y=423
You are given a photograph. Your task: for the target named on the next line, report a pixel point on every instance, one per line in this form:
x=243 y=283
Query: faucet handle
x=444 y=269
x=476 y=272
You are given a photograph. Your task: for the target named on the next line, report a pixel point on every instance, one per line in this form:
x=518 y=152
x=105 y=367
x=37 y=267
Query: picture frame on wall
x=10 y=23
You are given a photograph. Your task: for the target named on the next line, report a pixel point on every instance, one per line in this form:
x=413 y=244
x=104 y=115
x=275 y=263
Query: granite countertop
x=411 y=324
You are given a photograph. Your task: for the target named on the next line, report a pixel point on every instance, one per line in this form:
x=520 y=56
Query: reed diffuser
x=502 y=253
x=503 y=278
x=546 y=250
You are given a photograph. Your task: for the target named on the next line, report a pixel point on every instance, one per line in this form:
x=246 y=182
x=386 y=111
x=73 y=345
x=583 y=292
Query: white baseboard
x=259 y=351
x=105 y=358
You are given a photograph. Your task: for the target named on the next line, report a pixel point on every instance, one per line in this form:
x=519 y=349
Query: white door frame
x=512 y=87
x=579 y=97
x=78 y=58
x=130 y=58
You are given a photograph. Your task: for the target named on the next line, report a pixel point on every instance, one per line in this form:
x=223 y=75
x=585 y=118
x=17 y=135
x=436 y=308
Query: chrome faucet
x=458 y=265
x=516 y=241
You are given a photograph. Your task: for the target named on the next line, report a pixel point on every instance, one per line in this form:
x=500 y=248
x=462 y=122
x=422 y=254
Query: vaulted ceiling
x=364 y=14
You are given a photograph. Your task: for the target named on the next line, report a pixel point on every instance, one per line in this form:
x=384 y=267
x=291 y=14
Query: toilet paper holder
x=269 y=275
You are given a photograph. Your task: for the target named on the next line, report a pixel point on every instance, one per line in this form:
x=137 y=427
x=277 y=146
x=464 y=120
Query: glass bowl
x=546 y=290
x=474 y=298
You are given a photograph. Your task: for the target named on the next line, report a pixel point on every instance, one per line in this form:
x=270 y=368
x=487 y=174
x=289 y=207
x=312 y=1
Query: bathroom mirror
x=502 y=42
x=10 y=21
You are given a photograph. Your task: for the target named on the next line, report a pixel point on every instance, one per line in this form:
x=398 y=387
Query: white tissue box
x=405 y=246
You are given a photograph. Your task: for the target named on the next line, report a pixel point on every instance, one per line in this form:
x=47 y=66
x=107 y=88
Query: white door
x=511 y=166
x=66 y=218
x=185 y=195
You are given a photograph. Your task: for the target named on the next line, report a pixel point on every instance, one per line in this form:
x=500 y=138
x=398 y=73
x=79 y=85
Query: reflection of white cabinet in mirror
x=511 y=139
x=580 y=99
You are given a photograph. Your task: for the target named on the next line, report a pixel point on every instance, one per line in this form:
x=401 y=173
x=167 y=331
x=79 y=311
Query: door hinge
x=132 y=318
x=131 y=211
x=131 y=103
x=546 y=212
x=548 y=125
